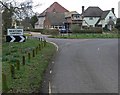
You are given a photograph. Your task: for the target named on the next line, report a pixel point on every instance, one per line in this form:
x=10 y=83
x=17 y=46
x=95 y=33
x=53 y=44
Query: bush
x=35 y=30
x=46 y=31
x=53 y=32
x=92 y=30
x=105 y=29
x=115 y=30
x=75 y=28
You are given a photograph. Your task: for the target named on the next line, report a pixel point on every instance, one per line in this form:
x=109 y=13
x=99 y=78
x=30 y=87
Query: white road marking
x=98 y=49
x=50 y=71
x=54 y=44
x=50 y=90
x=53 y=62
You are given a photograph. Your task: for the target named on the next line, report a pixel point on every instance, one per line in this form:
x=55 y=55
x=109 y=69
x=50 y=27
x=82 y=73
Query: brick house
x=72 y=18
x=54 y=9
x=54 y=20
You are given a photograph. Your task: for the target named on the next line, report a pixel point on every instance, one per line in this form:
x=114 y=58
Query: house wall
x=84 y=23
x=106 y=20
x=40 y=24
x=90 y=22
x=69 y=20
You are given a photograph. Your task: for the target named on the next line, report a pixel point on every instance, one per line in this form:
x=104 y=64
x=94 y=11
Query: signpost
x=14 y=32
x=15 y=38
x=15 y=35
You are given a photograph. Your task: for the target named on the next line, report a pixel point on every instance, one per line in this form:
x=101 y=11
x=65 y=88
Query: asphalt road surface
x=85 y=66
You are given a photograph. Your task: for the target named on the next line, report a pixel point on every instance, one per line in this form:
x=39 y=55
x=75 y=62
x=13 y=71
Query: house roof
x=56 y=18
x=68 y=14
x=92 y=12
x=55 y=7
x=104 y=14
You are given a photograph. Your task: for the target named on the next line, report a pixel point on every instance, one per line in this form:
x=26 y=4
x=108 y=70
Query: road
x=85 y=66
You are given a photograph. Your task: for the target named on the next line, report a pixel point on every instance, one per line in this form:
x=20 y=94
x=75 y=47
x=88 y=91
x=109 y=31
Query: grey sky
x=75 y=5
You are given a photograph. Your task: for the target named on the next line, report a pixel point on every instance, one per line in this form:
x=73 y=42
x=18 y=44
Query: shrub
x=35 y=30
x=92 y=30
x=105 y=29
x=54 y=32
x=115 y=30
x=46 y=31
x=75 y=28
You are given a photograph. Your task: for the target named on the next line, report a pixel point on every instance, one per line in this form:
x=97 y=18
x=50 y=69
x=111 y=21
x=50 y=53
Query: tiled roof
x=92 y=12
x=55 y=7
x=104 y=14
x=68 y=14
x=56 y=18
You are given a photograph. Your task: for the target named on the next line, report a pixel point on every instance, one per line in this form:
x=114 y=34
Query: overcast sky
x=75 y=5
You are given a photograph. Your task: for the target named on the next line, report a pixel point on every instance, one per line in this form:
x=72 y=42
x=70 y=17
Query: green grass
x=86 y=36
x=28 y=79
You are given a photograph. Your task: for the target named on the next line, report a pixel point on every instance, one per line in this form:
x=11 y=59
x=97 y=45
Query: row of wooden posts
x=17 y=65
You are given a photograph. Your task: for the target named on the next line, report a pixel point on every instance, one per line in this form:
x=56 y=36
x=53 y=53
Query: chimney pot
x=113 y=10
x=83 y=9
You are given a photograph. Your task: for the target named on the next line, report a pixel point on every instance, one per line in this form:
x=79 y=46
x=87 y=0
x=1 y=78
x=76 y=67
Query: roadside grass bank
x=27 y=77
x=86 y=36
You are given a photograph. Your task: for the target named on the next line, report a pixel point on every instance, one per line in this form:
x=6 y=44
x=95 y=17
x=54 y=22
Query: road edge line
x=50 y=90
x=54 y=45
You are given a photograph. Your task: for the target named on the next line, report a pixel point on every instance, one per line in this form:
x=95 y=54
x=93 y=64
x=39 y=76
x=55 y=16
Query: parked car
x=64 y=30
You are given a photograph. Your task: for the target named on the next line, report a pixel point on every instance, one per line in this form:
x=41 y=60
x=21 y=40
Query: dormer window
x=75 y=16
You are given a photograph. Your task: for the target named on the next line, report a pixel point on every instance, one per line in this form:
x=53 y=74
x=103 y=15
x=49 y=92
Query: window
x=75 y=16
x=91 y=18
x=110 y=17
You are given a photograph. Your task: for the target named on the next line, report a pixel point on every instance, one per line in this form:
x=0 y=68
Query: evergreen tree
x=33 y=20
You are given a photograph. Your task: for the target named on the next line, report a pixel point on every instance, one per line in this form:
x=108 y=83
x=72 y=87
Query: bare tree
x=20 y=10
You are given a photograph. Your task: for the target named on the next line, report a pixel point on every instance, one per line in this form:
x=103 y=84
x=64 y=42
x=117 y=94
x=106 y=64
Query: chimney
x=83 y=9
x=113 y=10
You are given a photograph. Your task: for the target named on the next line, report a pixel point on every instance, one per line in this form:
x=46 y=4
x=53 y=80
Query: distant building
x=73 y=17
x=58 y=17
x=54 y=21
x=95 y=17
x=54 y=8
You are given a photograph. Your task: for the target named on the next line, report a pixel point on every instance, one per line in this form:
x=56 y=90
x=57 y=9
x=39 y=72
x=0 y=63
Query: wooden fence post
x=39 y=46
x=29 y=57
x=12 y=70
x=33 y=53
x=4 y=83
x=23 y=60
x=18 y=65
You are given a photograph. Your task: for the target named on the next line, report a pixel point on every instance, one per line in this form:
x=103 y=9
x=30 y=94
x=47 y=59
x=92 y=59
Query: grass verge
x=85 y=36
x=28 y=79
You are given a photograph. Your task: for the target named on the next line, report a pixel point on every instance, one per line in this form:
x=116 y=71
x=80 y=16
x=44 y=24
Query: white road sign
x=12 y=32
